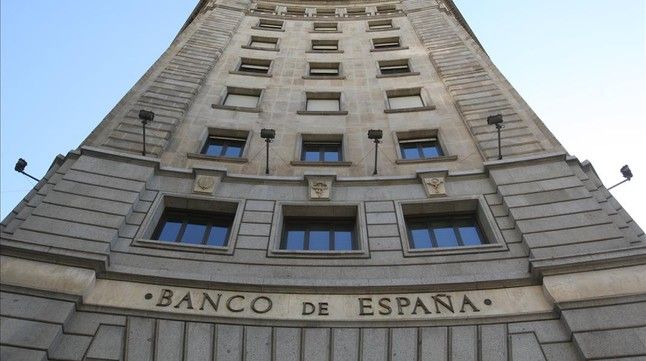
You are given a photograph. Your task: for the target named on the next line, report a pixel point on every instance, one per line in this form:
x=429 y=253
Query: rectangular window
x=356 y=11
x=262 y=42
x=420 y=148
x=386 y=43
x=265 y=8
x=438 y=231
x=296 y=11
x=189 y=227
x=386 y=9
x=325 y=45
x=324 y=69
x=380 y=24
x=405 y=101
x=258 y=66
x=241 y=100
x=388 y=67
x=326 y=27
x=322 y=152
x=270 y=24
x=223 y=147
x=311 y=234
x=323 y=105
x=325 y=11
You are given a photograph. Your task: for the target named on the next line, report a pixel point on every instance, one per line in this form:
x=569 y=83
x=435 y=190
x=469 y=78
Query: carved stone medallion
x=434 y=186
x=205 y=184
x=320 y=189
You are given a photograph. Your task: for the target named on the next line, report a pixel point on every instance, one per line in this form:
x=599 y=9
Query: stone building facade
x=200 y=250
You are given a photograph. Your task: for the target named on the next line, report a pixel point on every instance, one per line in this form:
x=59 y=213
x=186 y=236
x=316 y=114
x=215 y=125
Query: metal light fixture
x=376 y=135
x=497 y=121
x=627 y=173
x=268 y=135
x=21 y=164
x=145 y=116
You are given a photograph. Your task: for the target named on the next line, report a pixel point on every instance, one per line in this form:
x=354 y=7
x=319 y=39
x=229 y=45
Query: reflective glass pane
x=218 y=236
x=319 y=240
x=409 y=151
x=312 y=155
x=421 y=238
x=470 y=235
x=169 y=231
x=193 y=233
x=445 y=237
x=214 y=149
x=343 y=240
x=295 y=240
x=430 y=151
x=331 y=155
x=233 y=150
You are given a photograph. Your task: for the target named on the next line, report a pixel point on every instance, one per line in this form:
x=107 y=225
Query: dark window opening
x=203 y=228
x=321 y=152
x=224 y=147
x=308 y=234
x=420 y=148
x=444 y=231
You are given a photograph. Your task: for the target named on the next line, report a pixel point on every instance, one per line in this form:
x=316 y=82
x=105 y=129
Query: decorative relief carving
x=205 y=184
x=434 y=186
x=320 y=189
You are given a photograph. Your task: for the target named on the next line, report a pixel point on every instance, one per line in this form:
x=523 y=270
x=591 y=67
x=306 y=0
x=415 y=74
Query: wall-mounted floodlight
x=627 y=173
x=21 y=164
x=268 y=135
x=146 y=117
x=497 y=121
x=376 y=135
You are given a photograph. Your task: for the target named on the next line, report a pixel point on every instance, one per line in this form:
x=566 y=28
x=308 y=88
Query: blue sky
x=580 y=64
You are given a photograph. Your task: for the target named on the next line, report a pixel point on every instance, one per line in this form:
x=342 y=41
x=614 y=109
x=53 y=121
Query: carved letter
x=467 y=301
x=323 y=309
x=166 y=298
x=438 y=301
x=365 y=307
x=208 y=298
x=230 y=300
x=401 y=303
x=385 y=306
x=187 y=299
x=420 y=304
x=308 y=308
x=259 y=310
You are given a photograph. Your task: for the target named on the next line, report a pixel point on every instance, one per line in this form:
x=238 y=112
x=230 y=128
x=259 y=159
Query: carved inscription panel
x=299 y=307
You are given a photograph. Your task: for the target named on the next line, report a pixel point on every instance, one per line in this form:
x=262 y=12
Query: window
x=295 y=11
x=386 y=43
x=201 y=228
x=325 y=45
x=261 y=42
x=223 y=147
x=389 y=67
x=322 y=103
x=326 y=27
x=420 y=148
x=386 y=9
x=270 y=24
x=324 y=69
x=265 y=8
x=325 y=11
x=322 y=152
x=380 y=24
x=256 y=66
x=405 y=101
x=356 y=11
x=311 y=234
x=242 y=98
x=438 y=231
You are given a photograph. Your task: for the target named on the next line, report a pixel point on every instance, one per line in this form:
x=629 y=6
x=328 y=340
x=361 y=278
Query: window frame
x=452 y=206
x=408 y=92
x=381 y=25
x=420 y=147
x=262 y=39
x=227 y=141
x=325 y=43
x=233 y=90
x=338 y=96
x=309 y=224
x=313 y=210
x=322 y=149
x=452 y=220
x=269 y=25
x=316 y=27
x=416 y=135
x=190 y=203
x=210 y=219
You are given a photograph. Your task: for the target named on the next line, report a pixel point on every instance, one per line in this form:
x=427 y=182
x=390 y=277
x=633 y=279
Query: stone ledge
x=445 y=158
x=380 y=30
x=237 y=109
x=409 y=110
x=324 y=77
x=399 y=75
x=324 y=52
x=310 y=112
x=245 y=73
x=216 y=158
x=267 y=29
x=320 y=164
x=373 y=50
x=256 y=48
